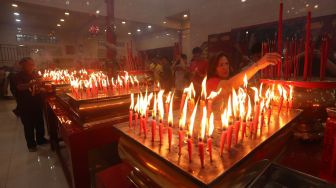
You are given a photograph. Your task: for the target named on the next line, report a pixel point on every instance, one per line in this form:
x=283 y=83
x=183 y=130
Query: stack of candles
x=238 y=117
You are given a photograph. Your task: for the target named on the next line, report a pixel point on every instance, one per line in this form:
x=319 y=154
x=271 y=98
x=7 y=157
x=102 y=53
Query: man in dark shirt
x=29 y=104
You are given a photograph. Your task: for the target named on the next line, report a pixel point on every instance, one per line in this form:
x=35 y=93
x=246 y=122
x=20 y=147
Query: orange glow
x=160 y=104
x=131 y=80
x=136 y=107
x=211 y=124
x=290 y=92
x=234 y=102
x=241 y=110
x=204 y=92
x=256 y=96
x=132 y=101
x=245 y=81
x=104 y=83
x=214 y=94
x=284 y=93
x=154 y=106
x=260 y=90
x=170 y=113
x=268 y=97
x=192 y=121
x=262 y=104
x=183 y=117
x=225 y=120
x=203 y=123
x=249 y=109
x=149 y=98
x=136 y=80
x=168 y=97
x=229 y=112
x=280 y=90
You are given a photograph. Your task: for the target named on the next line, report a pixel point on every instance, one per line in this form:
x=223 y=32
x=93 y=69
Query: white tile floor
x=18 y=167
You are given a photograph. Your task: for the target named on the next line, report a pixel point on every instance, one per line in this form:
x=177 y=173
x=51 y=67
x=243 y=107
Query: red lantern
x=94 y=29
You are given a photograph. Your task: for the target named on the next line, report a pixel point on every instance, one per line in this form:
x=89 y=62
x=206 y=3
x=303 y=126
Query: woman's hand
x=269 y=59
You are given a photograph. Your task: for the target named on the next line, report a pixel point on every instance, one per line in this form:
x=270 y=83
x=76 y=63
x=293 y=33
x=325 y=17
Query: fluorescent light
x=67 y=13
x=16 y=14
x=123 y=22
x=14 y=5
x=149 y=26
x=138 y=30
x=243 y=1
x=316 y=6
x=58 y=25
x=17 y=20
x=62 y=20
x=129 y=33
x=97 y=11
x=185 y=16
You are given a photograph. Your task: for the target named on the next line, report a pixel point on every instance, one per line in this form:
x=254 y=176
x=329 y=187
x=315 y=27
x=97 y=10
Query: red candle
x=236 y=130
x=210 y=101
x=142 y=119
x=136 y=119
x=222 y=142
x=210 y=148
x=160 y=131
x=170 y=134
x=307 y=44
x=256 y=116
x=280 y=37
x=189 y=142
x=280 y=105
x=181 y=137
x=87 y=92
x=269 y=112
x=153 y=128
x=144 y=126
x=262 y=120
x=130 y=117
x=243 y=130
x=201 y=152
x=229 y=137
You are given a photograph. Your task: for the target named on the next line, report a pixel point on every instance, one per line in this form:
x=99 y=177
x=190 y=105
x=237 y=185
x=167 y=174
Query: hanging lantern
x=94 y=29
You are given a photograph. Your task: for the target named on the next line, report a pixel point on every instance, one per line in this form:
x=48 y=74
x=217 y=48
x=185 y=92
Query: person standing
x=181 y=70
x=30 y=104
x=198 y=67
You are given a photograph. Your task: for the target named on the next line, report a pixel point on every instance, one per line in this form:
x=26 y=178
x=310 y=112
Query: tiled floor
x=18 y=167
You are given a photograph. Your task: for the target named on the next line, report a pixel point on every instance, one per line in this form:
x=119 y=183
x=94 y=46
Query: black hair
x=212 y=70
x=256 y=48
x=197 y=50
x=183 y=56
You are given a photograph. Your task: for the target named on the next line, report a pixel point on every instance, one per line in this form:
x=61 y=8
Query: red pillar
x=110 y=35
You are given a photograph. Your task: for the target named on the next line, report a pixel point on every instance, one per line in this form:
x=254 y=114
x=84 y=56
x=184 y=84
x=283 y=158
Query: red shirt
x=212 y=84
x=200 y=67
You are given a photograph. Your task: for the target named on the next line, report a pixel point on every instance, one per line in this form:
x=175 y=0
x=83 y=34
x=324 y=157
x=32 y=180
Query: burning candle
x=170 y=122
x=211 y=97
x=167 y=102
x=104 y=86
x=210 y=131
x=190 y=132
x=262 y=120
x=184 y=95
x=161 y=113
x=131 y=111
x=201 y=136
x=256 y=109
x=203 y=93
x=281 y=98
x=153 y=118
x=136 y=111
x=229 y=135
x=290 y=97
x=248 y=115
x=225 y=124
x=182 y=123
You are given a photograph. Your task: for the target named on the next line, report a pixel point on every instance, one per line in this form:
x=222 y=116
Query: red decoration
x=94 y=30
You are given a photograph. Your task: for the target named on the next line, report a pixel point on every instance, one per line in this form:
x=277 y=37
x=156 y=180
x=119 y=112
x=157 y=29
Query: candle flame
x=284 y=93
x=137 y=105
x=260 y=90
x=262 y=104
x=256 y=96
x=211 y=124
x=290 y=92
x=183 y=117
x=168 y=97
x=229 y=112
x=241 y=110
x=280 y=90
x=214 y=94
x=170 y=113
x=249 y=109
x=192 y=121
x=234 y=102
x=204 y=92
x=203 y=123
x=268 y=97
x=154 y=106
x=149 y=98
x=245 y=81
x=132 y=101
x=160 y=104
x=225 y=119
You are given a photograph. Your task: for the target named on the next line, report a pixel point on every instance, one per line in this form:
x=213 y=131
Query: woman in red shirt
x=218 y=72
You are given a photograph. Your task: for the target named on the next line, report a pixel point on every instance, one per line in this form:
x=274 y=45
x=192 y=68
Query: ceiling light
x=16 y=14
x=14 y=5
x=129 y=33
x=105 y=30
x=66 y=13
x=67 y=2
x=97 y=11
x=138 y=30
x=58 y=25
x=62 y=20
x=87 y=3
x=185 y=16
x=243 y=1
x=316 y=6
x=21 y=45
x=246 y=32
x=167 y=34
x=164 y=22
x=123 y=22
x=149 y=26
x=307 y=5
x=17 y=20
x=19 y=29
